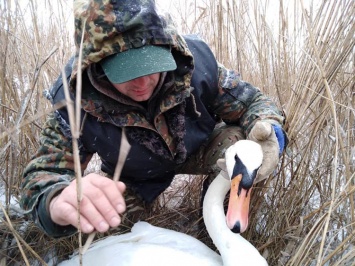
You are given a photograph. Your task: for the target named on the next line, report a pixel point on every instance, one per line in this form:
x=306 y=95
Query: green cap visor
x=134 y=63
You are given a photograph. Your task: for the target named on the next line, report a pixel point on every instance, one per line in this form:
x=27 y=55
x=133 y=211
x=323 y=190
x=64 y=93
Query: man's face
x=139 y=89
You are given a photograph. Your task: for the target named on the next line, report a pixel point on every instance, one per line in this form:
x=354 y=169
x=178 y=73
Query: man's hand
x=264 y=134
x=100 y=208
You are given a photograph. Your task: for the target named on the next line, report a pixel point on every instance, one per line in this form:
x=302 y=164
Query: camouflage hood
x=106 y=27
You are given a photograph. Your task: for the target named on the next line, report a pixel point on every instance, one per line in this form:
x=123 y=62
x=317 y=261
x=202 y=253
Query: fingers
x=102 y=202
x=63 y=213
x=114 y=196
x=101 y=207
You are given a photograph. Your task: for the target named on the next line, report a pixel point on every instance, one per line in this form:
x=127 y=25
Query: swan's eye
x=236 y=156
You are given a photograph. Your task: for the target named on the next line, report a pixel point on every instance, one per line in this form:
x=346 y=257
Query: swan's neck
x=213 y=213
x=232 y=247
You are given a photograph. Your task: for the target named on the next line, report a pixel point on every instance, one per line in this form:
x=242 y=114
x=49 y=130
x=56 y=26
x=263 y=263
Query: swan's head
x=243 y=160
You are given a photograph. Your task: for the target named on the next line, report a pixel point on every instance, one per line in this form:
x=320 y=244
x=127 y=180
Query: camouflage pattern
x=52 y=165
x=106 y=27
x=243 y=104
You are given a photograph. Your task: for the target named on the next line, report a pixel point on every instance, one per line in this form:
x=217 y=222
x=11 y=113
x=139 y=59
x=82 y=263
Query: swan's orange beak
x=238 y=207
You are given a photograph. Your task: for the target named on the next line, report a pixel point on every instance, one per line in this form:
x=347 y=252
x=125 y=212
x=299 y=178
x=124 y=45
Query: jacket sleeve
x=240 y=103
x=48 y=173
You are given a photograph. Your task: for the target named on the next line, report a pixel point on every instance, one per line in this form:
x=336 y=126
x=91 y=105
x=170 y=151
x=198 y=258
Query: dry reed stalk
x=75 y=131
x=15 y=235
x=332 y=107
x=26 y=55
x=74 y=113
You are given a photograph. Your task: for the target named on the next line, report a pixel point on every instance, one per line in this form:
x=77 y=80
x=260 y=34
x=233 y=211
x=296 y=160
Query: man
x=166 y=90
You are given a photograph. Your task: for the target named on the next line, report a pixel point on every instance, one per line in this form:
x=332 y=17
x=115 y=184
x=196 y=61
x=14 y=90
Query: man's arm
x=49 y=188
x=241 y=103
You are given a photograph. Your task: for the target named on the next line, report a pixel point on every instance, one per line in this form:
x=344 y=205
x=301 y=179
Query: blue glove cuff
x=280 y=137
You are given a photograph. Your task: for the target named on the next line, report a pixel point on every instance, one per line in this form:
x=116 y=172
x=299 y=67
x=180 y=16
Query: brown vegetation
x=303 y=57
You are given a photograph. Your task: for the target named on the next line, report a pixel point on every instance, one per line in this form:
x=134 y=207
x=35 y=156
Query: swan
x=154 y=246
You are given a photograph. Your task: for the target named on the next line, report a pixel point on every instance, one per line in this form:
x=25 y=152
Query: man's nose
x=141 y=81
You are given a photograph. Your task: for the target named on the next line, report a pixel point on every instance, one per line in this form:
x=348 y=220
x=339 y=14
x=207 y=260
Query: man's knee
x=221 y=139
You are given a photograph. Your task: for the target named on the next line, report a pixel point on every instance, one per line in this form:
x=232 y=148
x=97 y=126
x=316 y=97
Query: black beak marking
x=247 y=180
x=236 y=228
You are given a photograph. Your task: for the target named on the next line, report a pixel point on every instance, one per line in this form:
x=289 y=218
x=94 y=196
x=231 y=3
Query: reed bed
x=299 y=53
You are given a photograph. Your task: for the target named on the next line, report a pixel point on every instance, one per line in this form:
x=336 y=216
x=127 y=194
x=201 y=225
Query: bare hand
x=101 y=204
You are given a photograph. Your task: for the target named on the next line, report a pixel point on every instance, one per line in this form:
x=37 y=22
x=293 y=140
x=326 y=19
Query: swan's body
x=148 y=245
x=154 y=246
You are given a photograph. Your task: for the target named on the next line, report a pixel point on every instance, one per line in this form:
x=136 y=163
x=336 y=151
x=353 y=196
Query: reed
x=300 y=55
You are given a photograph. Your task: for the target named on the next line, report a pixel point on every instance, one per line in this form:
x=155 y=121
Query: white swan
x=154 y=246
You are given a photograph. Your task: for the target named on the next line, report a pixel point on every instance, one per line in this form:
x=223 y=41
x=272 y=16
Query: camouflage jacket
x=178 y=118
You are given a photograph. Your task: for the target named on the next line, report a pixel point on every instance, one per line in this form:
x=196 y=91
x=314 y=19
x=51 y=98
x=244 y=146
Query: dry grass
x=302 y=58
